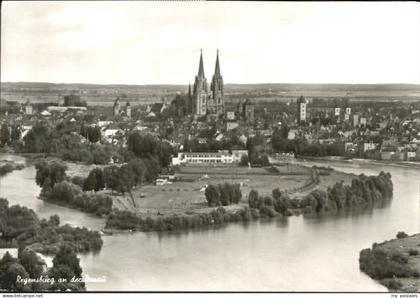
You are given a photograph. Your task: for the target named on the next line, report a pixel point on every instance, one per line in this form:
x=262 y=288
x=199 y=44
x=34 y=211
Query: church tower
x=190 y=101
x=217 y=104
x=117 y=107
x=128 y=109
x=200 y=90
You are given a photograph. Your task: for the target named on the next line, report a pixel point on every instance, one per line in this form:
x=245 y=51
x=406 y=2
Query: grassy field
x=187 y=193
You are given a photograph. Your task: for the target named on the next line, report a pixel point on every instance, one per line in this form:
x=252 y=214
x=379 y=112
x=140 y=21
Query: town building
x=128 y=109
x=230 y=115
x=249 y=111
x=220 y=157
x=29 y=108
x=117 y=107
x=73 y=101
x=355 y=120
x=117 y=111
x=230 y=125
x=301 y=109
x=369 y=146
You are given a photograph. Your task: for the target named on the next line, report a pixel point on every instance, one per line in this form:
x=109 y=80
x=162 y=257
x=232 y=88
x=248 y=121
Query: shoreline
x=401 y=163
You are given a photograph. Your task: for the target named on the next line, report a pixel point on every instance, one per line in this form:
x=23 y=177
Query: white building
x=337 y=111
x=231 y=125
x=237 y=155
x=369 y=146
x=230 y=115
x=221 y=157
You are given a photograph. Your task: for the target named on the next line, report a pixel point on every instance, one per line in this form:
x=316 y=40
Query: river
x=294 y=254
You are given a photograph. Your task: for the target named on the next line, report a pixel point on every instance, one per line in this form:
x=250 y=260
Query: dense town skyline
x=159 y=43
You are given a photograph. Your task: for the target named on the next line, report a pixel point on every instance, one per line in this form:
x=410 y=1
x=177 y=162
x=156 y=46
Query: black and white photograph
x=208 y=146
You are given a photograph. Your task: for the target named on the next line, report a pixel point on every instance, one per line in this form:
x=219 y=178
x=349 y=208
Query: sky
x=259 y=42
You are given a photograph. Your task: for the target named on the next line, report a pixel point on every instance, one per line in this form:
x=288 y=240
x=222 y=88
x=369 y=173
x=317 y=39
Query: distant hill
x=99 y=94
x=228 y=86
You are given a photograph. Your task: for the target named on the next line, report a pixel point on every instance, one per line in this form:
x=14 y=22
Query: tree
x=139 y=169
x=100 y=155
x=276 y=193
x=9 y=279
x=152 y=168
x=54 y=171
x=94 y=134
x=54 y=220
x=225 y=194
x=4 y=135
x=64 y=192
x=95 y=180
x=32 y=263
x=165 y=154
x=17 y=219
x=237 y=194
x=66 y=265
x=244 y=160
x=142 y=145
x=253 y=199
x=39 y=139
x=111 y=177
x=125 y=179
x=66 y=257
x=15 y=134
x=212 y=195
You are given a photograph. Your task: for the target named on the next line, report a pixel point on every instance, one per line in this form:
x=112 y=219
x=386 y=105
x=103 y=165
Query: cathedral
x=205 y=100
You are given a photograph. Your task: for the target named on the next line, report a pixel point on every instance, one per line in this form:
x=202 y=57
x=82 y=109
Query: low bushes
x=10 y=167
x=71 y=194
x=413 y=252
x=401 y=235
x=379 y=264
x=125 y=220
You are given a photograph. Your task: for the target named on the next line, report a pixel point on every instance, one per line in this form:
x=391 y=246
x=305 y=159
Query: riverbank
x=7 y=166
x=403 y=163
x=394 y=263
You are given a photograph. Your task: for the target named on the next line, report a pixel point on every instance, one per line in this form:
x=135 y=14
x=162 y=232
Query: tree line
x=223 y=194
x=126 y=220
x=9 y=134
x=364 y=190
x=58 y=187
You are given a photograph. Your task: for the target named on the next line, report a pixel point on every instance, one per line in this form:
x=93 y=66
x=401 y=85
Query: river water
x=294 y=254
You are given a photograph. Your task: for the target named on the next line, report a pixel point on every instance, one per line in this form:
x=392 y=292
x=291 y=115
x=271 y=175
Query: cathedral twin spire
x=203 y=100
x=201 y=66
